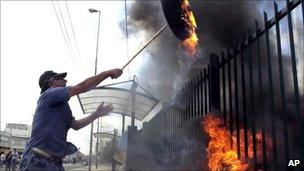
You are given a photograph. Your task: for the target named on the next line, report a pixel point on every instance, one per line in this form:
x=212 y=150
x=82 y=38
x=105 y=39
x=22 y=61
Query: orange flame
x=191 y=42
x=220 y=155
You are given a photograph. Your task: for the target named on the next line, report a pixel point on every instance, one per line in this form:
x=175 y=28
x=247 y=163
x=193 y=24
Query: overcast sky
x=32 y=42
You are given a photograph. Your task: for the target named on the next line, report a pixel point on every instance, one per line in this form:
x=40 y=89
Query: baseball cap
x=46 y=76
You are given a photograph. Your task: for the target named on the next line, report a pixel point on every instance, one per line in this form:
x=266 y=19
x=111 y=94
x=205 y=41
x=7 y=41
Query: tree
x=107 y=152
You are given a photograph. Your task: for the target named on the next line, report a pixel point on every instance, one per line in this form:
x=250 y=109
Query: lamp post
x=91 y=10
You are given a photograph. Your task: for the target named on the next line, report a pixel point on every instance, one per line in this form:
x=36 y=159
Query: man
x=53 y=118
x=2 y=159
x=15 y=159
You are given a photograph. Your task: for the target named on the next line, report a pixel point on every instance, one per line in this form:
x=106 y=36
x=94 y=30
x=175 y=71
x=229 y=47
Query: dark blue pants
x=31 y=162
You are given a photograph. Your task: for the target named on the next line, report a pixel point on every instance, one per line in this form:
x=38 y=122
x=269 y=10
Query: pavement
x=79 y=167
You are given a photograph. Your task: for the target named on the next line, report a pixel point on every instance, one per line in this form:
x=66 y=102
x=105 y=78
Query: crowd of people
x=10 y=160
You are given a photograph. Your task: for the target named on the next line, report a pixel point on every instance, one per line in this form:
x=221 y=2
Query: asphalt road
x=79 y=167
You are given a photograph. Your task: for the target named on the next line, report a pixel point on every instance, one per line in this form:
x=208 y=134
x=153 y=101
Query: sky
x=32 y=42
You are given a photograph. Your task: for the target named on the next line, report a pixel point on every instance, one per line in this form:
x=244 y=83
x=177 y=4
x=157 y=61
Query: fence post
x=114 y=143
x=215 y=82
x=132 y=144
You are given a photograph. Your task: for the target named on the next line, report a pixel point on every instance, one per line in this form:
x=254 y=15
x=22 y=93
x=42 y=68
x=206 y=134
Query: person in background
x=2 y=159
x=8 y=161
x=15 y=159
x=53 y=118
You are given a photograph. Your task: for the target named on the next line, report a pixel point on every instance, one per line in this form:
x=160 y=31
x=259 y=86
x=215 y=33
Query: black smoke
x=167 y=66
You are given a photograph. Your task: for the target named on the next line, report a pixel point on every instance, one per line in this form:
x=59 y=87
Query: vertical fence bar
x=260 y=99
x=200 y=104
x=194 y=97
x=252 y=109
x=176 y=135
x=172 y=136
x=202 y=95
x=224 y=88
x=191 y=119
x=183 y=102
x=194 y=118
x=295 y=85
x=214 y=83
x=188 y=101
x=270 y=83
x=282 y=85
x=236 y=97
x=230 y=99
x=185 y=96
x=244 y=104
x=191 y=99
x=178 y=131
x=205 y=89
x=209 y=87
x=197 y=97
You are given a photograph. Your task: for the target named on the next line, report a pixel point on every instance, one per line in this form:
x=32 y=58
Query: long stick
x=141 y=49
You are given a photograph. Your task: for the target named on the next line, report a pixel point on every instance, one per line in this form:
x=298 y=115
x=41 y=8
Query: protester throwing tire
x=53 y=118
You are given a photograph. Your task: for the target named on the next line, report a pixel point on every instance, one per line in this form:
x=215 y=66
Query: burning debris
x=182 y=23
x=220 y=155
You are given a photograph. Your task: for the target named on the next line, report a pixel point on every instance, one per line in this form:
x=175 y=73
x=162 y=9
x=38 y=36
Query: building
x=5 y=139
x=14 y=136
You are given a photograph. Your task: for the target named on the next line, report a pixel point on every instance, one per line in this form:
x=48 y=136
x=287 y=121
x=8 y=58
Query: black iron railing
x=254 y=86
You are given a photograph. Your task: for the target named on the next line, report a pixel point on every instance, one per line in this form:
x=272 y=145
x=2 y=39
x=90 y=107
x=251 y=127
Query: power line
x=66 y=31
x=66 y=42
x=72 y=28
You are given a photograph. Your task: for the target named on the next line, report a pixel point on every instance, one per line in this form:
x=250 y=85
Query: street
x=79 y=167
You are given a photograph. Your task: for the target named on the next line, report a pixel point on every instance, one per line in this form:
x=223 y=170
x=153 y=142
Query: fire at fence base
x=209 y=148
x=221 y=156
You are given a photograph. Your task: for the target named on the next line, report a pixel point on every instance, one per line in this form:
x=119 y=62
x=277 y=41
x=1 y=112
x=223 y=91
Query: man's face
x=58 y=82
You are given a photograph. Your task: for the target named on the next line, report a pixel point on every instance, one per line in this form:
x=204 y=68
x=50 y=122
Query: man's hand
x=100 y=111
x=115 y=73
x=103 y=110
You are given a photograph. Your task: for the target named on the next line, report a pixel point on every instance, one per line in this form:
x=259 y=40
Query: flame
x=191 y=42
x=220 y=155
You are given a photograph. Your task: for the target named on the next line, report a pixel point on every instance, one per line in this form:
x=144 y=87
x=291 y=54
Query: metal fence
x=258 y=88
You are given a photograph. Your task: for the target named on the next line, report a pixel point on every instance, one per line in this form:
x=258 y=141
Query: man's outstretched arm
x=100 y=111
x=93 y=81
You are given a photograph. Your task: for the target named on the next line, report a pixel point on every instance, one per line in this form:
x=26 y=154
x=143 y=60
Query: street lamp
x=91 y=10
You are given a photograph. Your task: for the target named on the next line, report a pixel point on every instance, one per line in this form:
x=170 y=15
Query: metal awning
x=103 y=135
x=121 y=97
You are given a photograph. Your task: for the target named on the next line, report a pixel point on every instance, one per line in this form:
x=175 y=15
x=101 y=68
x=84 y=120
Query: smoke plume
x=168 y=67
